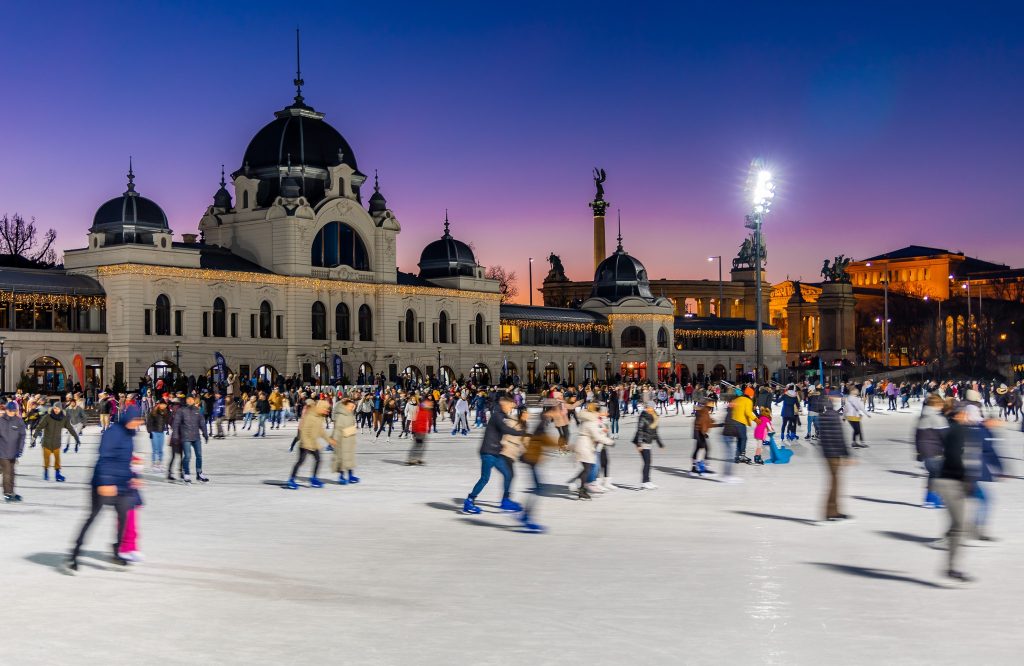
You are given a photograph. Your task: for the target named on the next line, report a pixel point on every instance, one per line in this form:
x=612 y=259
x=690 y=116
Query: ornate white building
x=295 y=275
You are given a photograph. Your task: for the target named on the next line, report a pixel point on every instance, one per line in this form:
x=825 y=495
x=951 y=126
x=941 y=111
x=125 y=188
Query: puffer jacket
x=932 y=428
x=52 y=425
x=12 y=436
x=114 y=465
x=647 y=431
x=311 y=428
x=589 y=435
x=188 y=424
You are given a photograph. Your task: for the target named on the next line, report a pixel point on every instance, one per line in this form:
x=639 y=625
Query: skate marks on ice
x=877 y=574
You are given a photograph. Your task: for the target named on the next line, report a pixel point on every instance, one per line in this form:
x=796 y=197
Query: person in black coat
x=832 y=438
x=113 y=482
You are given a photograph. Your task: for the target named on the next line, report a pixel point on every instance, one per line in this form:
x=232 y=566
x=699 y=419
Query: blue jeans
x=614 y=422
x=157 y=440
x=487 y=461
x=812 y=424
x=741 y=440
x=186 y=449
x=261 y=426
x=275 y=417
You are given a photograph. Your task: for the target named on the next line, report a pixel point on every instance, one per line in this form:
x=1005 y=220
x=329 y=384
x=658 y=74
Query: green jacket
x=51 y=426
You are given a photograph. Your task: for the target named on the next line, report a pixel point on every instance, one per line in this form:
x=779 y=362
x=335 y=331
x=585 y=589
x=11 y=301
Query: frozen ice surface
x=388 y=572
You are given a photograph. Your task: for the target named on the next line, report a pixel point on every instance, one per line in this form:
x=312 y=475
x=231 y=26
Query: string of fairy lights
x=58 y=301
x=565 y=326
x=311 y=283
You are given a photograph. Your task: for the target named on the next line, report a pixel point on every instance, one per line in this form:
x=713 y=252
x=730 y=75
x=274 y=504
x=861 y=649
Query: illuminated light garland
x=315 y=284
x=639 y=318
x=573 y=327
x=711 y=333
x=52 y=300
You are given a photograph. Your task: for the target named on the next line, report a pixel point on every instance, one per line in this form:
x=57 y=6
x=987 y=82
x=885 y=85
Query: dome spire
x=131 y=179
x=222 y=183
x=376 y=183
x=299 y=100
x=378 y=204
x=619 y=212
x=447 y=234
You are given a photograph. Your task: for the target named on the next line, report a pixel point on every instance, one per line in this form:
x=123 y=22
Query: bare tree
x=506 y=282
x=19 y=237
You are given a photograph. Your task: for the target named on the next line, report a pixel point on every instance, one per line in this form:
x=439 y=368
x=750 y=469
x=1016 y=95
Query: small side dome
x=222 y=198
x=447 y=257
x=129 y=218
x=621 y=276
x=378 y=204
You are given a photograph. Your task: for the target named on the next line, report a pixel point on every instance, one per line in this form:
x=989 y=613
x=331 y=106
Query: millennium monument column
x=599 y=206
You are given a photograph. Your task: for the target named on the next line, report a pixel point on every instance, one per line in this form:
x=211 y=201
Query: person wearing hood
x=790 y=407
x=588 y=437
x=12 y=445
x=52 y=426
x=113 y=482
x=931 y=430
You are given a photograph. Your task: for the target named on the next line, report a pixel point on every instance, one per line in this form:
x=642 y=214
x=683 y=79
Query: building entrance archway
x=47 y=375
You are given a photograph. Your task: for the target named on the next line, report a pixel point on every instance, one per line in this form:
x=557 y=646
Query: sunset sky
x=885 y=127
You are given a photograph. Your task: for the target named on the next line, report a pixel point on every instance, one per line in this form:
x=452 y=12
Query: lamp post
x=439 y=366
x=531 y=280
x=3 y=366
x=721 y=288
x=327 y=370
x=884 y=324
x=177 y=356
x=536 y=369
x=885 y=299
x=763 y=191
x=608 y=366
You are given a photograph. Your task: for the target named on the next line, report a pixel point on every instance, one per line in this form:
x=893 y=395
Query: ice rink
x=239 y=570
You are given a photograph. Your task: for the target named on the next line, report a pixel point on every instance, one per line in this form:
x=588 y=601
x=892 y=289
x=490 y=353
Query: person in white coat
x=461 y=416
x=588 y=437
x=854 y=411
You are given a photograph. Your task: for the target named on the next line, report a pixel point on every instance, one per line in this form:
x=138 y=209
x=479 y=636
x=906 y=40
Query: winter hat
x=12 y=406
x=131 y=413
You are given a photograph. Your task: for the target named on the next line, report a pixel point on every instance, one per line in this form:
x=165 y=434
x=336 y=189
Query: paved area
x=388 y=572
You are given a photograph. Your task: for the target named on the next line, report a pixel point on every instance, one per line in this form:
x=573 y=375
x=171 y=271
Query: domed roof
x=620 y=276
x=299 y=136
x=129 y=218
x=378 y=204
x=447 y=257
x=222 y=198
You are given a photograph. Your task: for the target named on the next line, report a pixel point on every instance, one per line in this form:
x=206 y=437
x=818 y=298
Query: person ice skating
x=189 y=424
x=490 y=458
x=741 y=414
x=588 y=437
x=702 y=426
x=112 y=480
x=853 y=412
x=762 y=432
x=932 y=428
x=461 y=416
x=953 y=482
x=421 y=424
x=12 y=445
x=311 y=434
x=833 y=447
x=344 y=434
x=51 y=427
x=646 y=435
x=156 y=423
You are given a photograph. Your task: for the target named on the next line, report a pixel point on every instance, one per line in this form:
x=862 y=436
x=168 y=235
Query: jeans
x=261 y=427
x=953 y=495
x=812 y=424
x=645 y=454
x=187 y=447
x=157 y=444
x=275 y=418
x=614 y=422
x=741 y=440
x=488 y=461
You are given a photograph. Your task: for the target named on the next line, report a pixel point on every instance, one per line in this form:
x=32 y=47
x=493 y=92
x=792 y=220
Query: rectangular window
x=147 y=321
x=434 y=329
x=206 y=324
x=252 y=326
x=243 y=370
x=420 y=332
x=178 y=315
x=234 y=324
x=279 y=325
x=489 y=339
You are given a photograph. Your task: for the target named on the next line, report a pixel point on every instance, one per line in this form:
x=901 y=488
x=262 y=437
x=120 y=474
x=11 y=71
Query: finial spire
x=376 y=183
x=131 y=176
x=446 y=234
x=298 y=72
x=222 y=183
x=619 y=212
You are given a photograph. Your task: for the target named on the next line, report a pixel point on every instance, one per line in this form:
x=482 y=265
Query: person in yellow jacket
x=741 y=415
x=276 y=401
x=311 y=434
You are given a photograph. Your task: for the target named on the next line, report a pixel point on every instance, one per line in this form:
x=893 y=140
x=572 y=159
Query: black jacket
x=832 y=436
x=495 y=430
x=12 y=436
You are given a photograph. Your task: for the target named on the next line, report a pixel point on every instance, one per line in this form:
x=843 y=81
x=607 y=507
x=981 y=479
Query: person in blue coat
x=113 y=482
x=984 y=465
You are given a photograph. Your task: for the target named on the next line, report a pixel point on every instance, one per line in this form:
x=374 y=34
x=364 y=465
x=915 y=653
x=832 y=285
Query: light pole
x=885 y=299
x=721 y=288
x=531 y=280
x=608 y=366
x=763 y=191
x=177 y=357
x=3 y=366
x=327 y=370
x=439 y=366
x=884 y=324
x=536 y=370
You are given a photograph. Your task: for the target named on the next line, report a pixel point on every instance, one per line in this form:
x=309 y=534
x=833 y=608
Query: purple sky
x=885 y=127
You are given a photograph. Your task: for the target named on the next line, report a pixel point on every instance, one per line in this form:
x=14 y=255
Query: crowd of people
x=955 y=439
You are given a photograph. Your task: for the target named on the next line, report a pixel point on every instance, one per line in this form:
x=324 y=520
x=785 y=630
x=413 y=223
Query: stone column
x=836 y=322
x=599 y=207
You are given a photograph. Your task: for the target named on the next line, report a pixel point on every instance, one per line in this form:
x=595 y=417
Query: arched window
x=662 y=337
x=342 y=329
x=319 y=315
x=163 y=315
x=365 y=323
x=442 y=327
x=219 y=318
x=410 y=326
x=633 y=336
x=479 y=329
x=265 y=319
x=338 y=244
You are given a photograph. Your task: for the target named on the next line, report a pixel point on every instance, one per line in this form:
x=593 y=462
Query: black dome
x=447 y=257
x=129 y=218
x=301 y=135
x=620 y=276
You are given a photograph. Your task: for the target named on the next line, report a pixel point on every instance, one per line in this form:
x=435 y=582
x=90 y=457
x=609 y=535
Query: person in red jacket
x=421 y=424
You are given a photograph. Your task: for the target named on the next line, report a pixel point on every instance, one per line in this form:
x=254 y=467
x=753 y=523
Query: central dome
x=299 y=136
x=621 y=276
x=447 y=257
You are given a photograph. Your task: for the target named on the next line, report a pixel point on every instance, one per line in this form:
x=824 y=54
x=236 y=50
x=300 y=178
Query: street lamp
x=3 y=366
x=439 y=366
x=536 y=370
x=326 y=371
x=608 y=366
x=721 y=288
x=885 y=298
x=762 y=188
x=531 y=280
x=884 y=324
x=177 y=356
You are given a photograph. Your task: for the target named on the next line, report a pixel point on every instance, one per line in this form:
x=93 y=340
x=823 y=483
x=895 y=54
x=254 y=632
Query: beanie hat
x=12 y=406
x=131 y=413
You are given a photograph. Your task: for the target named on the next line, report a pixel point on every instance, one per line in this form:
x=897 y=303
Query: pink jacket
x=761 y=429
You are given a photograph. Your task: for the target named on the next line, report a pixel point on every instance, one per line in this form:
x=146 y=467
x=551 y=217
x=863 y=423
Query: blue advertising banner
x=337 y=367
x=221 y=373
